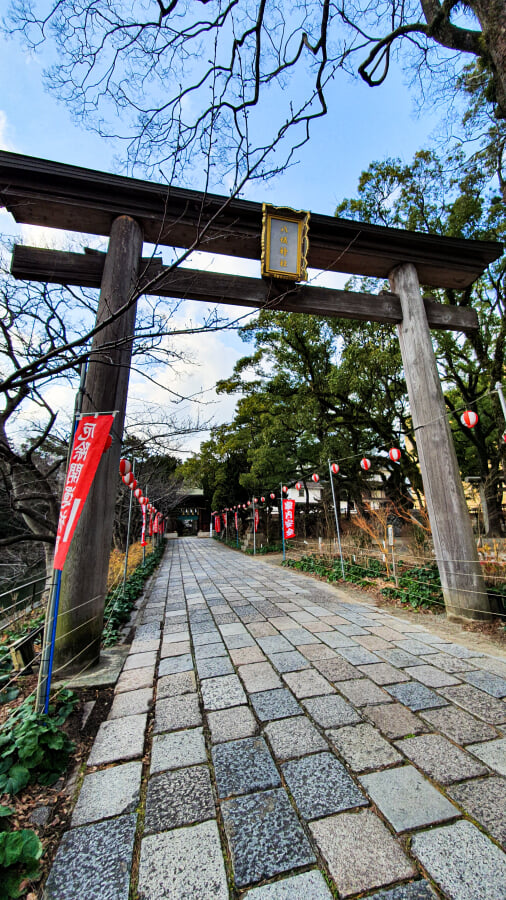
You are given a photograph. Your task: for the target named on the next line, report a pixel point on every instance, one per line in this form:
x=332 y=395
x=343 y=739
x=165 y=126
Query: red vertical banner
x=143 y=534
x=89 y=443
x=257 y=519
x=217 y=524
x=225 y=520
x=236 y=517
x=150 y=523
x=289 y=518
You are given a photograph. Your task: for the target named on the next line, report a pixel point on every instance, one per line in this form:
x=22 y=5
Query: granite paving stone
x=174 y=664
x=134 y=679
x=307 y=683
x=201 y=639
x=210 y=668
x=139 y=660
x=111 y=792
x=440 y=759
x=371 y=642
x=462 y=861
x=362 y=747
x=221 y=692
x=210 y=651
x=431 y=676
x=447 y=663
x=131 y=703
x=492 y=753
x=335 y=640
x=382 y=673
x=243 y=766
x=178 y=749
x=265 y=836
x=291 y=661
x=485 y=681
x=461 y=652
x=484 y=800
x=294 y=737
x=358 y=656
x=491 y=664
x=399 y=658
x=363 y=692
x=458 y=725
x=244 y=655
x=416 y=648
x=407 y=799
x=314 y=652
x=118 y=739
x=477 y=702
x=259 y=677
x=307 y=886
x=180 y=797
x=176 y=637
x=320 y=786
x=184 y=864
x=94 y=861
x=177 y=712
x=261 y=629
x=415 y=890
x=276 y=704
x=274 y=644
x=416 y=696
x=360 y=852
x=387 y=632
x=141 y=646
x=171 y=685
x=331 y=711
x=337 y=669
x=237 y=641
x=231 y=724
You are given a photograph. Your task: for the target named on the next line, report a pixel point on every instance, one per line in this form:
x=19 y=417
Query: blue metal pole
x=53 y=637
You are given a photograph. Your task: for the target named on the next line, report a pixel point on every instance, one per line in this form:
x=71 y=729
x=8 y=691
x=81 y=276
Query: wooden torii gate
x=130 y=211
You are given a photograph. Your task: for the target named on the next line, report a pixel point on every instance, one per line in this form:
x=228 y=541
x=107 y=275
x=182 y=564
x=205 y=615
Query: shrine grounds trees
x=185 y=84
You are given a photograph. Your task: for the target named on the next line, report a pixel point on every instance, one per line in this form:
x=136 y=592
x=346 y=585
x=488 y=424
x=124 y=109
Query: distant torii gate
x=130 y=211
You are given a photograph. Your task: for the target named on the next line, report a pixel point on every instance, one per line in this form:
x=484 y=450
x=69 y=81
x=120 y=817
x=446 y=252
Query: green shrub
x=119 y=603
x=20 y=852
x=34 y=748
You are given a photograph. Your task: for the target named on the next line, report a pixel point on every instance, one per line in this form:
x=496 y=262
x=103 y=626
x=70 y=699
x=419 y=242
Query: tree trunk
x=492 y=18
x=84 y=577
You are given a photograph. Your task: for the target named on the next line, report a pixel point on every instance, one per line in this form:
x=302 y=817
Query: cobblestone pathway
x=273 y=739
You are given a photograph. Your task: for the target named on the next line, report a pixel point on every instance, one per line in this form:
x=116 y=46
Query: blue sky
x=363 y=125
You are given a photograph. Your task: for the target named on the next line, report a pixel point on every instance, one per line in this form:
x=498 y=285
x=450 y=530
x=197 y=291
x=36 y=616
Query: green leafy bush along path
x=417 y=587
x=119 y=603
x=34 y=748
x=20 y=852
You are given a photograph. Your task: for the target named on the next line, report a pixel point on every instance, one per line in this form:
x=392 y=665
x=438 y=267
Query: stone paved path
x=273 y=739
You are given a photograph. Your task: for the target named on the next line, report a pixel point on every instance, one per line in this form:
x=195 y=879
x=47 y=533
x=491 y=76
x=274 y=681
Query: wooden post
x=454 y=544
x=85 y=573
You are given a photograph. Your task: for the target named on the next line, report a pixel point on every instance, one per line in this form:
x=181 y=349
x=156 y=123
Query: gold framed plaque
x=284 y=242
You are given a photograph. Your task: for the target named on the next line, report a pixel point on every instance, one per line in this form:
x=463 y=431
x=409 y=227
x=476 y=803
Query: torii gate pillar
x=84 y=578
x=454 y=543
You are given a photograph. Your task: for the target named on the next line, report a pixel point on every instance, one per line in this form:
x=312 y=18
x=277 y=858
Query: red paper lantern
x=315 y=477
x=138 y=493
x=273 y=496
x=365 y=464
x=335 y=468
x=128 y=478
x=285 y=489
x=394 y=454
x=469 y=418
x=262 y=499
x=249 y=502
x=255 y=499
x=299 y=486
x=125 y=466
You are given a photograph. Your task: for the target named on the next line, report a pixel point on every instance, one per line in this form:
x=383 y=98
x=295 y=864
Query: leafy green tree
x=454 y=198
